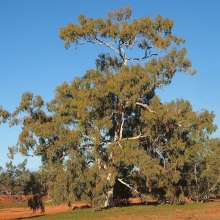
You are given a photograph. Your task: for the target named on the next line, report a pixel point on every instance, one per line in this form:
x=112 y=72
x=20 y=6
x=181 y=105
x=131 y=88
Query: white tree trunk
x=109 y=202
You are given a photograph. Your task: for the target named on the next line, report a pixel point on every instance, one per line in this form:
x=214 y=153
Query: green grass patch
x=134 y=211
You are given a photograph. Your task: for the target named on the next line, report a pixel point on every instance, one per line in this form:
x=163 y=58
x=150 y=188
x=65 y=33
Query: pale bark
x=145 y=105
x=122 y=124
x=195 y=173
x=213 y=187
x=120 y=180
x=109 y=202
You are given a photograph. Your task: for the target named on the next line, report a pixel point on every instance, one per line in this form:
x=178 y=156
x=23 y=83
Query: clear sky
x=33 y=58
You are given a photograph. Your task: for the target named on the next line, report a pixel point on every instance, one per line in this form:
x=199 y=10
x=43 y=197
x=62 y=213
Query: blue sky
x=33 y=58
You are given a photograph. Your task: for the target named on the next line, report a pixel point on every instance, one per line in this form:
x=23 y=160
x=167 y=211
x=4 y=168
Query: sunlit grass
x=133 y=212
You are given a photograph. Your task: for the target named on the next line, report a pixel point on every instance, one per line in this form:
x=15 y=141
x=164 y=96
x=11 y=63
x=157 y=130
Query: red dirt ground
x=11 y=213
x=211 y=213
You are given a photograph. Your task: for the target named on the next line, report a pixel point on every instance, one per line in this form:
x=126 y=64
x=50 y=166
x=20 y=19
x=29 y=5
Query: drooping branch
x=132 y=188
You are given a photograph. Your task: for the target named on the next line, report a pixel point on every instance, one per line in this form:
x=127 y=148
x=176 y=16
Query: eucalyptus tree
x=13 y=179
x=109 y=125
x=205 y=171
x=210 y=176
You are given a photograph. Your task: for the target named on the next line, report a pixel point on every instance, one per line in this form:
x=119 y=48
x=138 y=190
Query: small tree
x=205 y=179
x=14 y=179
x=110 y=125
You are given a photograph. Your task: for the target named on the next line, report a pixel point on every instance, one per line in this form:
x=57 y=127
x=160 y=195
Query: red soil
x=210 y=213
x=11 y=213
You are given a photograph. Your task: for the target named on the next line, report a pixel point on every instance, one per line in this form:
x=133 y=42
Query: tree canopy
x=120 y=34
x=110 y=127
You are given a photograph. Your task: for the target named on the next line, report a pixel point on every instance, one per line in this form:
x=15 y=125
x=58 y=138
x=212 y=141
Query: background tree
x=36 y=184
x=110 y=125
x=14 y=179
x=205 y=172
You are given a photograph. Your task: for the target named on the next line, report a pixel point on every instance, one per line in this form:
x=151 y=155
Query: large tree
x=109 y=126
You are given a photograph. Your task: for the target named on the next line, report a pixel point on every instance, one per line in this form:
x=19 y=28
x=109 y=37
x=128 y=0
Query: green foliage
x=36 y=184
x=4 y=115
x=17 y=180
x=110 y=124
x=119 y=33
x=14 y=179
x=206 y=181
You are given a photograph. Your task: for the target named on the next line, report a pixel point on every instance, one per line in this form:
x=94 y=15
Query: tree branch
x=195 y=172
x=145 y=105
x=129 y=45
x=159 y=152
x=88 y=137
x=215 y=184
x=106 y=44
x=142 y=58
x=121 y=181
x=122 y=123
x=86 y=146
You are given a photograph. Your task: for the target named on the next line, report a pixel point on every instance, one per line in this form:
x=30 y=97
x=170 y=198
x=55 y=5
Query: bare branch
x=81 y=43
x=116 y=135
x=131 y=138
x=212 y=188
x=159 y=150
x=120 y=180
x=86 y=146
x=130 y=45
x=142 y=58
x=115 y=111
x=107 y=44
x=49 y=200
x=122 y=53
x=120 y=145
x=88 y=137
x=195 y=172
x=178 y=124
x=145 y=105
x=127 y=138
x=122 y=124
